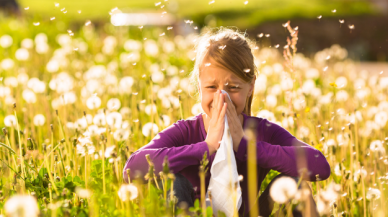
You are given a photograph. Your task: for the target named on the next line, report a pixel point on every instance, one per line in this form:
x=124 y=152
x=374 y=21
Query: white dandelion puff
x=283 y=189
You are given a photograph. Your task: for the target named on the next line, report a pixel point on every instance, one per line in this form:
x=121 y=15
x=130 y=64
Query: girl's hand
x=236 y=130
x=216 y=123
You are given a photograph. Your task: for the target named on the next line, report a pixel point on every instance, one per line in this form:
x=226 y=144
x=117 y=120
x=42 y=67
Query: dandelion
x=361 y=172
x=381 y=118
x=29 y=96
x=22 y=206
x=82 y=193
x=283 y=189
x=22 y=54
x=6 y=41
x=7 y=64
x=109 y=151
x=93 y=102
x=148 y=127
x=114 y=119
x=128 y=192
x=39 y=120
x=150 y=107
x=10 y=121
x=113 y=104
x=377 y=146
x=121 y=134
x=373 y=194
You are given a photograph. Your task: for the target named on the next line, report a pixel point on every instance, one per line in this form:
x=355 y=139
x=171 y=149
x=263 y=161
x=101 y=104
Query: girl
x=224 y=61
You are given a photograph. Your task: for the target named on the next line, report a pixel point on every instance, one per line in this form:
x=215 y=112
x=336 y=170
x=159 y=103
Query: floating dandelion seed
x=207 y=64
x=285 y=47
x=381 y=72
x=36 y=23
x=158 y=3
x=63 y=9
x=264 y=62
x=328 y=57
x=211 y=2
x=222 y=47
x=169 y=28
x=196 y=27
x=76 y=48
x=79 y=11
x=246 y=2
x=162 y=34
x=296 y=28
x=260 y=35
x=324 y=69
x=52 y=18
x=267 y=35
x=143 y=101
x=247 y=70
x=164 y=12
x=319 y=17
x=136 y=120
x=342 y=21
x=333 y=11
x=227 y=83
x=277 y=46
x=256 y=48
x=56 y=4
x=65 y=12
x=144 y=38
x=143 y=76
x=87 y=23
x=351 y=26
x=162 y=6
x=26 y=8
x=285 y=25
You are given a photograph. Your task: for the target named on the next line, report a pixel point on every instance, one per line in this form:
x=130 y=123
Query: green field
x=228 y=12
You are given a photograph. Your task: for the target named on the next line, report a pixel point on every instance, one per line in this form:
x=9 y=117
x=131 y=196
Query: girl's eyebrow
x=226 y=83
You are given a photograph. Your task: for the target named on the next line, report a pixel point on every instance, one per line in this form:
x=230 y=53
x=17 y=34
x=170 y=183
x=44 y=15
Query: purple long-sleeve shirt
x=184 y=144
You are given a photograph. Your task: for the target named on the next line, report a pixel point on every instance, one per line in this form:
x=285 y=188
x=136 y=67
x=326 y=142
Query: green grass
x=228 y=12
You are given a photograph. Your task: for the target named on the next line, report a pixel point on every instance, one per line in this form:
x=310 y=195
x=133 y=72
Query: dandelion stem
x=252 y=171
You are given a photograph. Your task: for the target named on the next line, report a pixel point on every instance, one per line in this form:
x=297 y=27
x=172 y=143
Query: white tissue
x=224 y=176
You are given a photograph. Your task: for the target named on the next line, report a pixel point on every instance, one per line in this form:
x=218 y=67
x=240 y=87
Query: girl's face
x=214 y=78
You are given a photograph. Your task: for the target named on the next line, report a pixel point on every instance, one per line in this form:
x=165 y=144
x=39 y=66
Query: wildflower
x=82 y=193
x=151 y=48
x=6 y=41
x=132 y=45
x=271 y=101
x=21 y=205
x=109 y=151
x=113 y=104
x=373 y=194
x=166 y=120
x=29 y=96
x=22 y=54
x=377 y=146
x=121 y=134
x=39 y=120
x=381 y=118
x=342 y=96
x=359 y=173
x=93 y=102
x=7 y=64
x=126 y=83
x=283 y=189
x=149 y=107
x=304 y=132
x=52 y=66
x=114 y=119
x=157 y=76
x=196 y=109
x=99 y=119
x=128 y=192
x=267 y=115
x=148 y=127
x=10 y=121
x=341 y=81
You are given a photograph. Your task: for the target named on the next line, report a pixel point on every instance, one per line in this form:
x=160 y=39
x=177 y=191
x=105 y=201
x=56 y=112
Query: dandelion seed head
x=128 y=192
x=283 y=189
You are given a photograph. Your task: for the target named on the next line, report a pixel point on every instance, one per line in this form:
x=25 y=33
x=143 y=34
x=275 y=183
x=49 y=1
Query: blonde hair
x=232 y=50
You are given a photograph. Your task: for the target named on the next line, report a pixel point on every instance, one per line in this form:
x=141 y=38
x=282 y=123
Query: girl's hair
x=232 y=50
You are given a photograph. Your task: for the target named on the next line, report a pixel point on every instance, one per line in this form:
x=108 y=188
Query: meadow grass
x=74 y=107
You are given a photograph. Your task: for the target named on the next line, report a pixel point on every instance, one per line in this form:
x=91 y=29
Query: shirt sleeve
x=169 y=142
x=281 y=151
